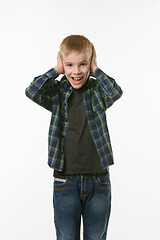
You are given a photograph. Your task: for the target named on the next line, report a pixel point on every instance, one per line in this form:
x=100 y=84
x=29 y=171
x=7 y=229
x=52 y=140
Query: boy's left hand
x=93 y=60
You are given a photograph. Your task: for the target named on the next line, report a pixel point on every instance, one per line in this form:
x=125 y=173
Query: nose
x=76 y=70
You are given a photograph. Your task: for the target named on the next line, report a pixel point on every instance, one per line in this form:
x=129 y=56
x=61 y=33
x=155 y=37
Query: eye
x=69 y=65
x=83 y=64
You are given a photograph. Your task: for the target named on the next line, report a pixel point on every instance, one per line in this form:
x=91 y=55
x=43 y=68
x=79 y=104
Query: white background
x=126 y=35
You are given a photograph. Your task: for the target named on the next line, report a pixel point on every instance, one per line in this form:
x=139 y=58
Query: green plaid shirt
x=100 y=93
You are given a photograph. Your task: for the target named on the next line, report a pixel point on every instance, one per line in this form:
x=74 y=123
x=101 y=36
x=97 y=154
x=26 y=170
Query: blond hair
x=77 y=43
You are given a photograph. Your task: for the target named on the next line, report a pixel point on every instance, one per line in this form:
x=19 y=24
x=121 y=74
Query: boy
x=79 y=145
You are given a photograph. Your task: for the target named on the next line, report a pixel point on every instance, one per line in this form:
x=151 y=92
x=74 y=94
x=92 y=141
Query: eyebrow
x=79 y=62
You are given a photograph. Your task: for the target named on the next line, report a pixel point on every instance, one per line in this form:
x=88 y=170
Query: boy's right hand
x=59 y=68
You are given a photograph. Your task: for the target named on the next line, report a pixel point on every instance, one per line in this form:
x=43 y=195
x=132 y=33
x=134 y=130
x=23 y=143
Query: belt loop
x=70 y=177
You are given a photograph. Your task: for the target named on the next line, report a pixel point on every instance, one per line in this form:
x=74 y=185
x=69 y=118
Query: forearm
x=110 y=90
x=108 y=83
x=39 y=82
x=41 y=88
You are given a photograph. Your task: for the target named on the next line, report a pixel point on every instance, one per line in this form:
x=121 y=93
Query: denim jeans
x=88 y=196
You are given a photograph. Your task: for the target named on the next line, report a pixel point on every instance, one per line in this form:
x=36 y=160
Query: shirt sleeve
x=109 y=89
x=43 y=89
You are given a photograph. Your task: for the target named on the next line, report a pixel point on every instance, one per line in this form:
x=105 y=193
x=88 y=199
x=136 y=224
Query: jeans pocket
x=60 y=180
x=61 y=183
x=103 y=181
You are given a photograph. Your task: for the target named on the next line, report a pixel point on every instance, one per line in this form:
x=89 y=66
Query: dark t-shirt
x=81 y=156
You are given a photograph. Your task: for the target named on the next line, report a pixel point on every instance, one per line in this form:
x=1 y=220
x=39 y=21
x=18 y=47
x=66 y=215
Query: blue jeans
x=89 y=196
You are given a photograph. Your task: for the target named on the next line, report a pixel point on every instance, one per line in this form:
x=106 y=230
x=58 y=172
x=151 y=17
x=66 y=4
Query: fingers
x=59 y=56
x=94 y=59
x=59 y=67
x=93 y=53
x=93 y=48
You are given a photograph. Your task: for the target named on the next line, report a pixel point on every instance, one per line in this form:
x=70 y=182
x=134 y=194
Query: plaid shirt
x=99 y=94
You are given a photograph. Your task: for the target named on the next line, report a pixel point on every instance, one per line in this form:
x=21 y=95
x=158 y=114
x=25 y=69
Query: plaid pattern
x=99 y=94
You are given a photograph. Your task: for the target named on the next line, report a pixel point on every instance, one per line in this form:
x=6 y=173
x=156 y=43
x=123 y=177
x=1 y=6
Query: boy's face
x=77 y=68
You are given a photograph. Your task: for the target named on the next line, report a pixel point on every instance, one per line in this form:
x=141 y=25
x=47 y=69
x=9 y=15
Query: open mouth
x=77 y=79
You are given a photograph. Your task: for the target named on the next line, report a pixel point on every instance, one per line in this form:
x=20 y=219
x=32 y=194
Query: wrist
x=57 y=69
x=94 y=68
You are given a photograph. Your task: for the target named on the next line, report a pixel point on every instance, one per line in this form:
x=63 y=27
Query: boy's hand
x=59 y=68
x=93 y=60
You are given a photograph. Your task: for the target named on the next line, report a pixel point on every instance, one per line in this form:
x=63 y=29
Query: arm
x=108 y=88
x=44 y=88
